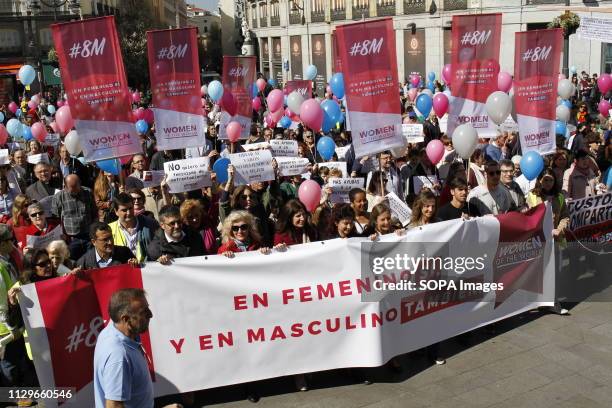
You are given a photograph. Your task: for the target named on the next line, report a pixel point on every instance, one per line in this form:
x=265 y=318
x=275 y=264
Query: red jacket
x=231 y=246
x=32 y=230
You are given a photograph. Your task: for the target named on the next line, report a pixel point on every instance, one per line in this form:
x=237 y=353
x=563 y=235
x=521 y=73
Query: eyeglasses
x=494 y=173
x=137 y=198
x=43 y=264
x=38 y=214
x=109 y=239
x=173 y=223
x=241 y=227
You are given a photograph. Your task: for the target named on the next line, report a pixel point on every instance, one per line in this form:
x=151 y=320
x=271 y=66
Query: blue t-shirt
x=121 y=372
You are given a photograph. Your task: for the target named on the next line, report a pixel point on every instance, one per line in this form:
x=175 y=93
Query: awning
x=10 y=68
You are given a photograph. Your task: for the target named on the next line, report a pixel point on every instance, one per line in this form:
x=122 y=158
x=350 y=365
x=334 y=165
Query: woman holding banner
x=359 y=204
x=239 y=234
x=293 y=226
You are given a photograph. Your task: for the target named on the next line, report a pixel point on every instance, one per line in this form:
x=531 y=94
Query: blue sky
x=205 y=4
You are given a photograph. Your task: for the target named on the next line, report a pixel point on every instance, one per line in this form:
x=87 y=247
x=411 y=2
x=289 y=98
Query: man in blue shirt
x=121 y=372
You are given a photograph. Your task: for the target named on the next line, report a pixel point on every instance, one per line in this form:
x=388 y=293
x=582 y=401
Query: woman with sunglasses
x=39 y=226
x=239 y=234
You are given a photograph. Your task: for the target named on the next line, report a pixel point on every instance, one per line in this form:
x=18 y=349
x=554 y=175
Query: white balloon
x=465 y=140
x=294 y=102
x=565 y=88
x=73 y=144
x=498 y=106
x=426 y=91
x=513 y=109
x=563 y=113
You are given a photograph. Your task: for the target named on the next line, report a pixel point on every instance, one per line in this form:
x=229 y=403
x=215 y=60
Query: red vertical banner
x=238 y=79
x=475 y=66
x=175 y=84
x=303 y=87
x=94 y=78
x=367 y=50
x=536 y=68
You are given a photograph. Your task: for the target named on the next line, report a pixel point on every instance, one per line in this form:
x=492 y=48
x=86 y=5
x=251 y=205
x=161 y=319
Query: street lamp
x=73 y=5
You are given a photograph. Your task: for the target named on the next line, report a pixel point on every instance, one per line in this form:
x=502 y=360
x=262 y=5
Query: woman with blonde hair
x=423 y=209
x=106 y=187
x=239 y=234
x=194 y=217
x=59 y=254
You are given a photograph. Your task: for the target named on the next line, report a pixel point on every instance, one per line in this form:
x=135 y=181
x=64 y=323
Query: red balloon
x=261 y=84
x=228 y=103
x=3 y=134
x=149 y=116
x=256 y=104
x=13 y=107
x=233 y=130
x=63 y=117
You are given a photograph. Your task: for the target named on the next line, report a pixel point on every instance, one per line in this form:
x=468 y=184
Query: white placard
x=46 y=204
x=252 y=166
x=284 y=148
x=292 y=166
x=424 y=181
x=255 y=146
x=34 y=241
x=152 y=178
x=336 y=165
x=443 y=123
x=399 y=208
x=52 y=139
x=413 y=132
x=509 y=125
x=188 y=174
x=4 y=157
x=595 y=28
x=341 y=187
x=38 y=158
x=341 y=152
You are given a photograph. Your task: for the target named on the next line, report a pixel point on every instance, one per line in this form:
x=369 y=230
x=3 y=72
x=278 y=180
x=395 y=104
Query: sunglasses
x=173 y=223
x=38 y=214
x=43 y=264
x=241 y=227
x=494 y=173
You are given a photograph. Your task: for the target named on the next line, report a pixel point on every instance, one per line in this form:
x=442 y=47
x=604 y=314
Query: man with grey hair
x=43 y=187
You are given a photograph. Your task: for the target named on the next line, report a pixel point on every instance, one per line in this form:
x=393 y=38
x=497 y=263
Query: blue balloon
x=326 y=147
x=51 y=109
x=18 y=113
x=566 y=103
x=311 y=73
x=327 y=124
x=285 y=122
x=215 y=91
x=532 y=165
x=220 y=168
x=272 y=82
x=27 y=74
x=1 y=117
x=560 y=128
x=573 y=70
x=331 y=109
x=142 y=126
x=14 y=128
x=27 y=133
x=111 y=166
x=254 y=90
x=337 y=85
x=431 y=76
x=431 y=86
x=424 y=104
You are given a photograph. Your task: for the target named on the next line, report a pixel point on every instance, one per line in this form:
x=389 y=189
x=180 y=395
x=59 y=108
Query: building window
x=414 y=6
x=253 y=16
x=606 y=60
x=455 y=4
x=338 y=10
x=10 y=40
x=361 y=9
x=317 y=11
x=385 y=8
x=537 y=26
x=263 y=16
x=275 y=13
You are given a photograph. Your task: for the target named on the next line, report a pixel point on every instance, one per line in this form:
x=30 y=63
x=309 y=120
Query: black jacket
x=76 y=167
x=120 y=256
x=190 y=245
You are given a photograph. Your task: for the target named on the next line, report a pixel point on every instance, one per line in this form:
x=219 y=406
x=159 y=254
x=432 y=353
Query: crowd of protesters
x=108 y=220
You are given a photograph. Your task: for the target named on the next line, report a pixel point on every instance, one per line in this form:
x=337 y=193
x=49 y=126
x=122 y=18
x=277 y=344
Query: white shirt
x=496 y=201
x=102 y=263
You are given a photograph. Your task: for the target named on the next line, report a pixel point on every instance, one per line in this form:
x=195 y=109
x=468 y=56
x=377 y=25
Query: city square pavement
x=536 y=359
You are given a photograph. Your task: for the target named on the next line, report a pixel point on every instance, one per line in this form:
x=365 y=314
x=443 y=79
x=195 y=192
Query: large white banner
x=304 y=310
x=595 y=28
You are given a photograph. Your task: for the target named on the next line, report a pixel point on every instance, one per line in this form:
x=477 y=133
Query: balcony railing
x=532 y=2
x=387 y=9
x=361 y=12
x=254 y=23
x=455 y=4
x=263 y=21
x=275 y=20
x=414 y=6
x=339 y=14
x=317 y=16
x=295 y=17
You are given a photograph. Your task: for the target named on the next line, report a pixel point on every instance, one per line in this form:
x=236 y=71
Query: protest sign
x=250 y=167
x=302 y=87
x=413 y=132
x=292 y=166
x=536 y=61
x=284 y=148
x=4 y=157
x=307 y=306
x=152 y=178
x=424 y=181
x=399 y=208
x=35 y=241
x=174 y=70
x=249 y=147
x=336 y=165
x=341 y=187
x=94 y=77
x=38 y=158
x=595 y=29
x=188 y=174
x=591 y=218
x=238 y=78
x=52 y=139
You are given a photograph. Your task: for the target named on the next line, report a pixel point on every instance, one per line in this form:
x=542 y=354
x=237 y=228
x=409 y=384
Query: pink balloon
x=204 y=90
x=311 y=114
x=261 y=84
x=149 y=116
x=229 y=103
x=309 y=194
x=3 y=134
x=136 y=97
x=139 y=113
x=39 y=131
x=36 y=98
x=504 y=81
x=60 y=103
x=64 y=120
x=447 y=73
x=604 y=83
x=604 y=108
x=54 y=126
x=276 y=116
x=561 y=76
x=412 y=93
x=12 y=107
x=275 y=100
x=203 y=101
x=32 y=104
x=440 y=104
x=435 y=151
x=256 y=104
x=233 y=130
x=271 y=123
x=415 y=80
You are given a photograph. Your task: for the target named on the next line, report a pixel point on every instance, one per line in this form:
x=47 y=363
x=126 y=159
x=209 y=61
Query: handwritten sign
x=152 y=178
x=284 y=148
x=336 y=165
x=38 y=158
x=255 y=146
x=424 y=181
x=34 y=241
x=188 y=174
x=341 y=187
x=52 y=139
x=250 y=167
x=413 y=132
x=399 y=209
x=292 y=166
